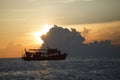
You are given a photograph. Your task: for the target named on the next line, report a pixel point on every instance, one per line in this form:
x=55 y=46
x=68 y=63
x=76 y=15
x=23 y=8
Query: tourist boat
x=44 y=54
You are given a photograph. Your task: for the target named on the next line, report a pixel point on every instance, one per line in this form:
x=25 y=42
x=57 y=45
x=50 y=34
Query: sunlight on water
x=70 y=69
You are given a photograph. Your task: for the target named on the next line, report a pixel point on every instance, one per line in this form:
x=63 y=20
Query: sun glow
x=38 y=34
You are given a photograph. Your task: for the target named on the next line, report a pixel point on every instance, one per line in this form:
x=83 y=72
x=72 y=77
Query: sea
x=72 y=68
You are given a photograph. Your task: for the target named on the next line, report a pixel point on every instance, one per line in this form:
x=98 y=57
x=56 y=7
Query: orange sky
x=21 y=21
x=13 y=45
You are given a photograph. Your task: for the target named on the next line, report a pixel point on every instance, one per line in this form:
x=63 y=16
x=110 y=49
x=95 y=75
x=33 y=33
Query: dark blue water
x=70 y=69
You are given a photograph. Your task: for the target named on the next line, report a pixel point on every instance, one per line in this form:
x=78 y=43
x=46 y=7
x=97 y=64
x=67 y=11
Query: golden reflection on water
x=45 y=72
x=44 y=64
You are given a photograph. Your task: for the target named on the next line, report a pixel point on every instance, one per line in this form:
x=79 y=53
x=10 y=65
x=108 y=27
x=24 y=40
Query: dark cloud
x=72 y=41
x=85 y=32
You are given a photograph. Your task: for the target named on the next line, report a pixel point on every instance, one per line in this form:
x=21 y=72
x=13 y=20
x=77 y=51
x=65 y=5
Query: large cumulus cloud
x=72 y=41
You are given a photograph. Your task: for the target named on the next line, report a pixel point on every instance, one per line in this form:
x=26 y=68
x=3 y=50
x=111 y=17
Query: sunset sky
x=23 y=21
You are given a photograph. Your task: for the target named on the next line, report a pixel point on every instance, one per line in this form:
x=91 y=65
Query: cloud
x=85 y=32
x=72 y=41
x=72 y=1
x=11 y=50
x=88 y=0
x=63 y=38
x=64 y=35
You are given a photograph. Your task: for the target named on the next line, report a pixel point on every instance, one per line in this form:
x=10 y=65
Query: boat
x=44 y=54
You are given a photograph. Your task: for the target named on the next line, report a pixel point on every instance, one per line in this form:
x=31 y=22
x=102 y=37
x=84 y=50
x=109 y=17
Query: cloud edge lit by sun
x=37 y=35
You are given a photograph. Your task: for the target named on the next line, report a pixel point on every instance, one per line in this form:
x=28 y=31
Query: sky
x=72 y=42
x=22 y=21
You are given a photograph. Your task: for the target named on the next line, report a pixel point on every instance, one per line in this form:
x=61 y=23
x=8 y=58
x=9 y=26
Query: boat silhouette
x=44 y=54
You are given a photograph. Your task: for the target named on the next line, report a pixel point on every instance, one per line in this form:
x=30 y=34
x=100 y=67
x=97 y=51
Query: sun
x=38 y=34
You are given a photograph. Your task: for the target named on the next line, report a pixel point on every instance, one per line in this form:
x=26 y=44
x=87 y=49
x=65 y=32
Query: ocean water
x=70 y=69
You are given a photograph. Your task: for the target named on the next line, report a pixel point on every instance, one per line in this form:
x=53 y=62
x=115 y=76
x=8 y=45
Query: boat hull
x=60 y=57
